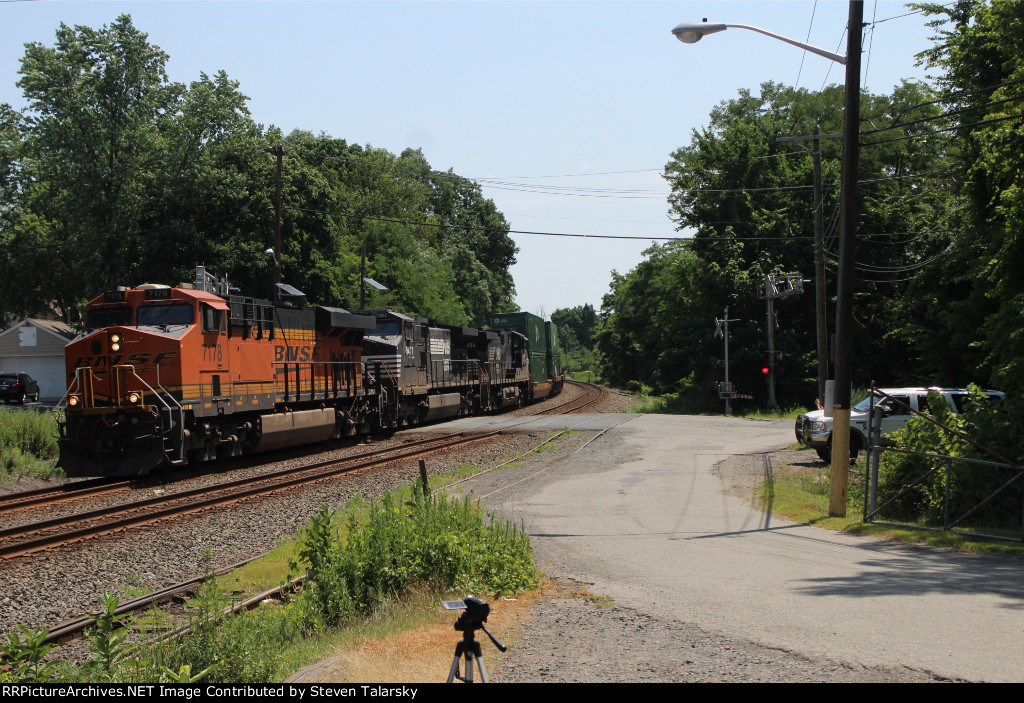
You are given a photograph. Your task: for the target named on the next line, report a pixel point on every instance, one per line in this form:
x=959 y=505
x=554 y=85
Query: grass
x=679 y=404
x=801 y=494
x=27 y=446
x=277 y=639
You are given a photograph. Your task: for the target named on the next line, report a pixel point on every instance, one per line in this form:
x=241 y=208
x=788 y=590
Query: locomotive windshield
x=98 y=318
x=385 y=328
x=174 y=314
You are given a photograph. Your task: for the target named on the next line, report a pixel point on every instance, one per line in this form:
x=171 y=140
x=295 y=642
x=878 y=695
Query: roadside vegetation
x=392 y=558
x=689 y=404
x=27 y=446
x=801 y=494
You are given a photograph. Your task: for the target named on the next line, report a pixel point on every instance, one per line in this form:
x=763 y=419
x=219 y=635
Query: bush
x=987 y=423
x=433 y=541
x=27 y=445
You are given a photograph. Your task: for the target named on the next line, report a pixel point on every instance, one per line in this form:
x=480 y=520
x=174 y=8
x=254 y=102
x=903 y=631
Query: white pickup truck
x=814 y=429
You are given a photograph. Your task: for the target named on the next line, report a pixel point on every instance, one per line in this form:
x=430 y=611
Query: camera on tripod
x=475 y=615
x=468 y=623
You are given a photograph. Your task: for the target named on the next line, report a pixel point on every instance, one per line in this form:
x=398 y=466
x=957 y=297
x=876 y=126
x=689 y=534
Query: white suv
x=814 y=429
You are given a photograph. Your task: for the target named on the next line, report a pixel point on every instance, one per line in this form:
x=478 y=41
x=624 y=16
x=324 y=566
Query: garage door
x=48 y=371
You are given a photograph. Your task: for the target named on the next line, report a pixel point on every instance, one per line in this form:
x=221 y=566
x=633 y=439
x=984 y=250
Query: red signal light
x=765 y=370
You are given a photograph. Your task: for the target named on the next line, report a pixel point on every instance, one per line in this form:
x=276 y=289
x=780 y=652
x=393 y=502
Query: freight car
x=163 y=377
x=546 y=376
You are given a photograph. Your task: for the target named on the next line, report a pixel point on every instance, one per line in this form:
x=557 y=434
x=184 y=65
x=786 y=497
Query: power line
x=948 y=129
x=908 y=14
x=944 y=115
x=950 y=98
x=803 y=54
x=871 y=43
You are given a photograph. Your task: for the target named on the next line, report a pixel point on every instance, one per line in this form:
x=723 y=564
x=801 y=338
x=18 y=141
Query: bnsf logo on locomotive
x=100 y=361
x=304 y=352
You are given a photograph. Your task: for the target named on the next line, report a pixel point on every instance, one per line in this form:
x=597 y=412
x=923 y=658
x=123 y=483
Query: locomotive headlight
x=115 y=342
x=73 y=401
x=133 y=398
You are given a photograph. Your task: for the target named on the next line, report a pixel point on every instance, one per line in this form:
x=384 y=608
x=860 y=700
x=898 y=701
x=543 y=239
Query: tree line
x=939 y=275
x=115 y=175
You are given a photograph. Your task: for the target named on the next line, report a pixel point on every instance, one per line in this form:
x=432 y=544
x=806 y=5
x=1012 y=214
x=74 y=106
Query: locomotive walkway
x=642 y=516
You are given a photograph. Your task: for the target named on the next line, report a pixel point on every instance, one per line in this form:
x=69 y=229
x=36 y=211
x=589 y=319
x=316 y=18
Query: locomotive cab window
x=157 y=315
x=213 y=319
x=98 y=318
x=385 y=328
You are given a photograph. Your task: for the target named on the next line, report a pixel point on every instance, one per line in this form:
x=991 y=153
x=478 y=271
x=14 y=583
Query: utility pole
x=820 y=312
x=781 y=286
x=279 y=152
x=362 y=280
x=771 y=346
x=847 y=245
x=820 y=286
x=725 y=390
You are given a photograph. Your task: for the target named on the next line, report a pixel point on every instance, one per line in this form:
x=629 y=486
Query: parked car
x=18 y=387
x=814 y=429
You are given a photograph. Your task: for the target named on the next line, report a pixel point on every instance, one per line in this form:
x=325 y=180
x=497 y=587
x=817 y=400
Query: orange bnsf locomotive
x=164 y=377
x=167 y=376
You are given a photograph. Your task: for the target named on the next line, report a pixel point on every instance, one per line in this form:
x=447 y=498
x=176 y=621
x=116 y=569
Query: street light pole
x=692 y=32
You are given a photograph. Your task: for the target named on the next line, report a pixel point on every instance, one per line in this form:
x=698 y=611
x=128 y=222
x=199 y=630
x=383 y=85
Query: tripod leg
x=455 y=667
x=483 y=671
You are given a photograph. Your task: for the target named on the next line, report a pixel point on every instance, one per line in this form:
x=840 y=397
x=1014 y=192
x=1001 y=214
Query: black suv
x=18 y=386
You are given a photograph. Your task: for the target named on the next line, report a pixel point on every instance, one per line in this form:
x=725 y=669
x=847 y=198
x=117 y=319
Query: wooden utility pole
x=362 y=280
x=820 y=284
x=847 y=246
x=820 y=312
x=279 y=152
x=781 y=286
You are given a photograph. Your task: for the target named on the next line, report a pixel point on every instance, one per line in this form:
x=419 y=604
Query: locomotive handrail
x=151 y=389
x=391 y=375
x=170 y=410
x=351 y=383
x=55 y=412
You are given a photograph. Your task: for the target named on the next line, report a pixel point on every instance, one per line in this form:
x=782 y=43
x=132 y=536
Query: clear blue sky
x=530 y=93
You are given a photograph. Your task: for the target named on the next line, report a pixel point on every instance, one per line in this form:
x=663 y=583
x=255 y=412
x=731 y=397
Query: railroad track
x=33 y=537
x=39 y=536
x=590 y=396
x=43 y=497
x=39 y=497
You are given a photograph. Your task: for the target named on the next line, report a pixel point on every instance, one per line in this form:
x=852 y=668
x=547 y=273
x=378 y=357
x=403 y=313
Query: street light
x=692 y=32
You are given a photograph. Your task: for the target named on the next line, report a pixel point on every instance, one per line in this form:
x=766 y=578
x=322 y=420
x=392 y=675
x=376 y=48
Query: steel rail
x=233 y=491
x=74 y=629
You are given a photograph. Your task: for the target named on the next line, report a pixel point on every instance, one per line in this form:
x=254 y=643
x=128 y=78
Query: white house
x=36 y=347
